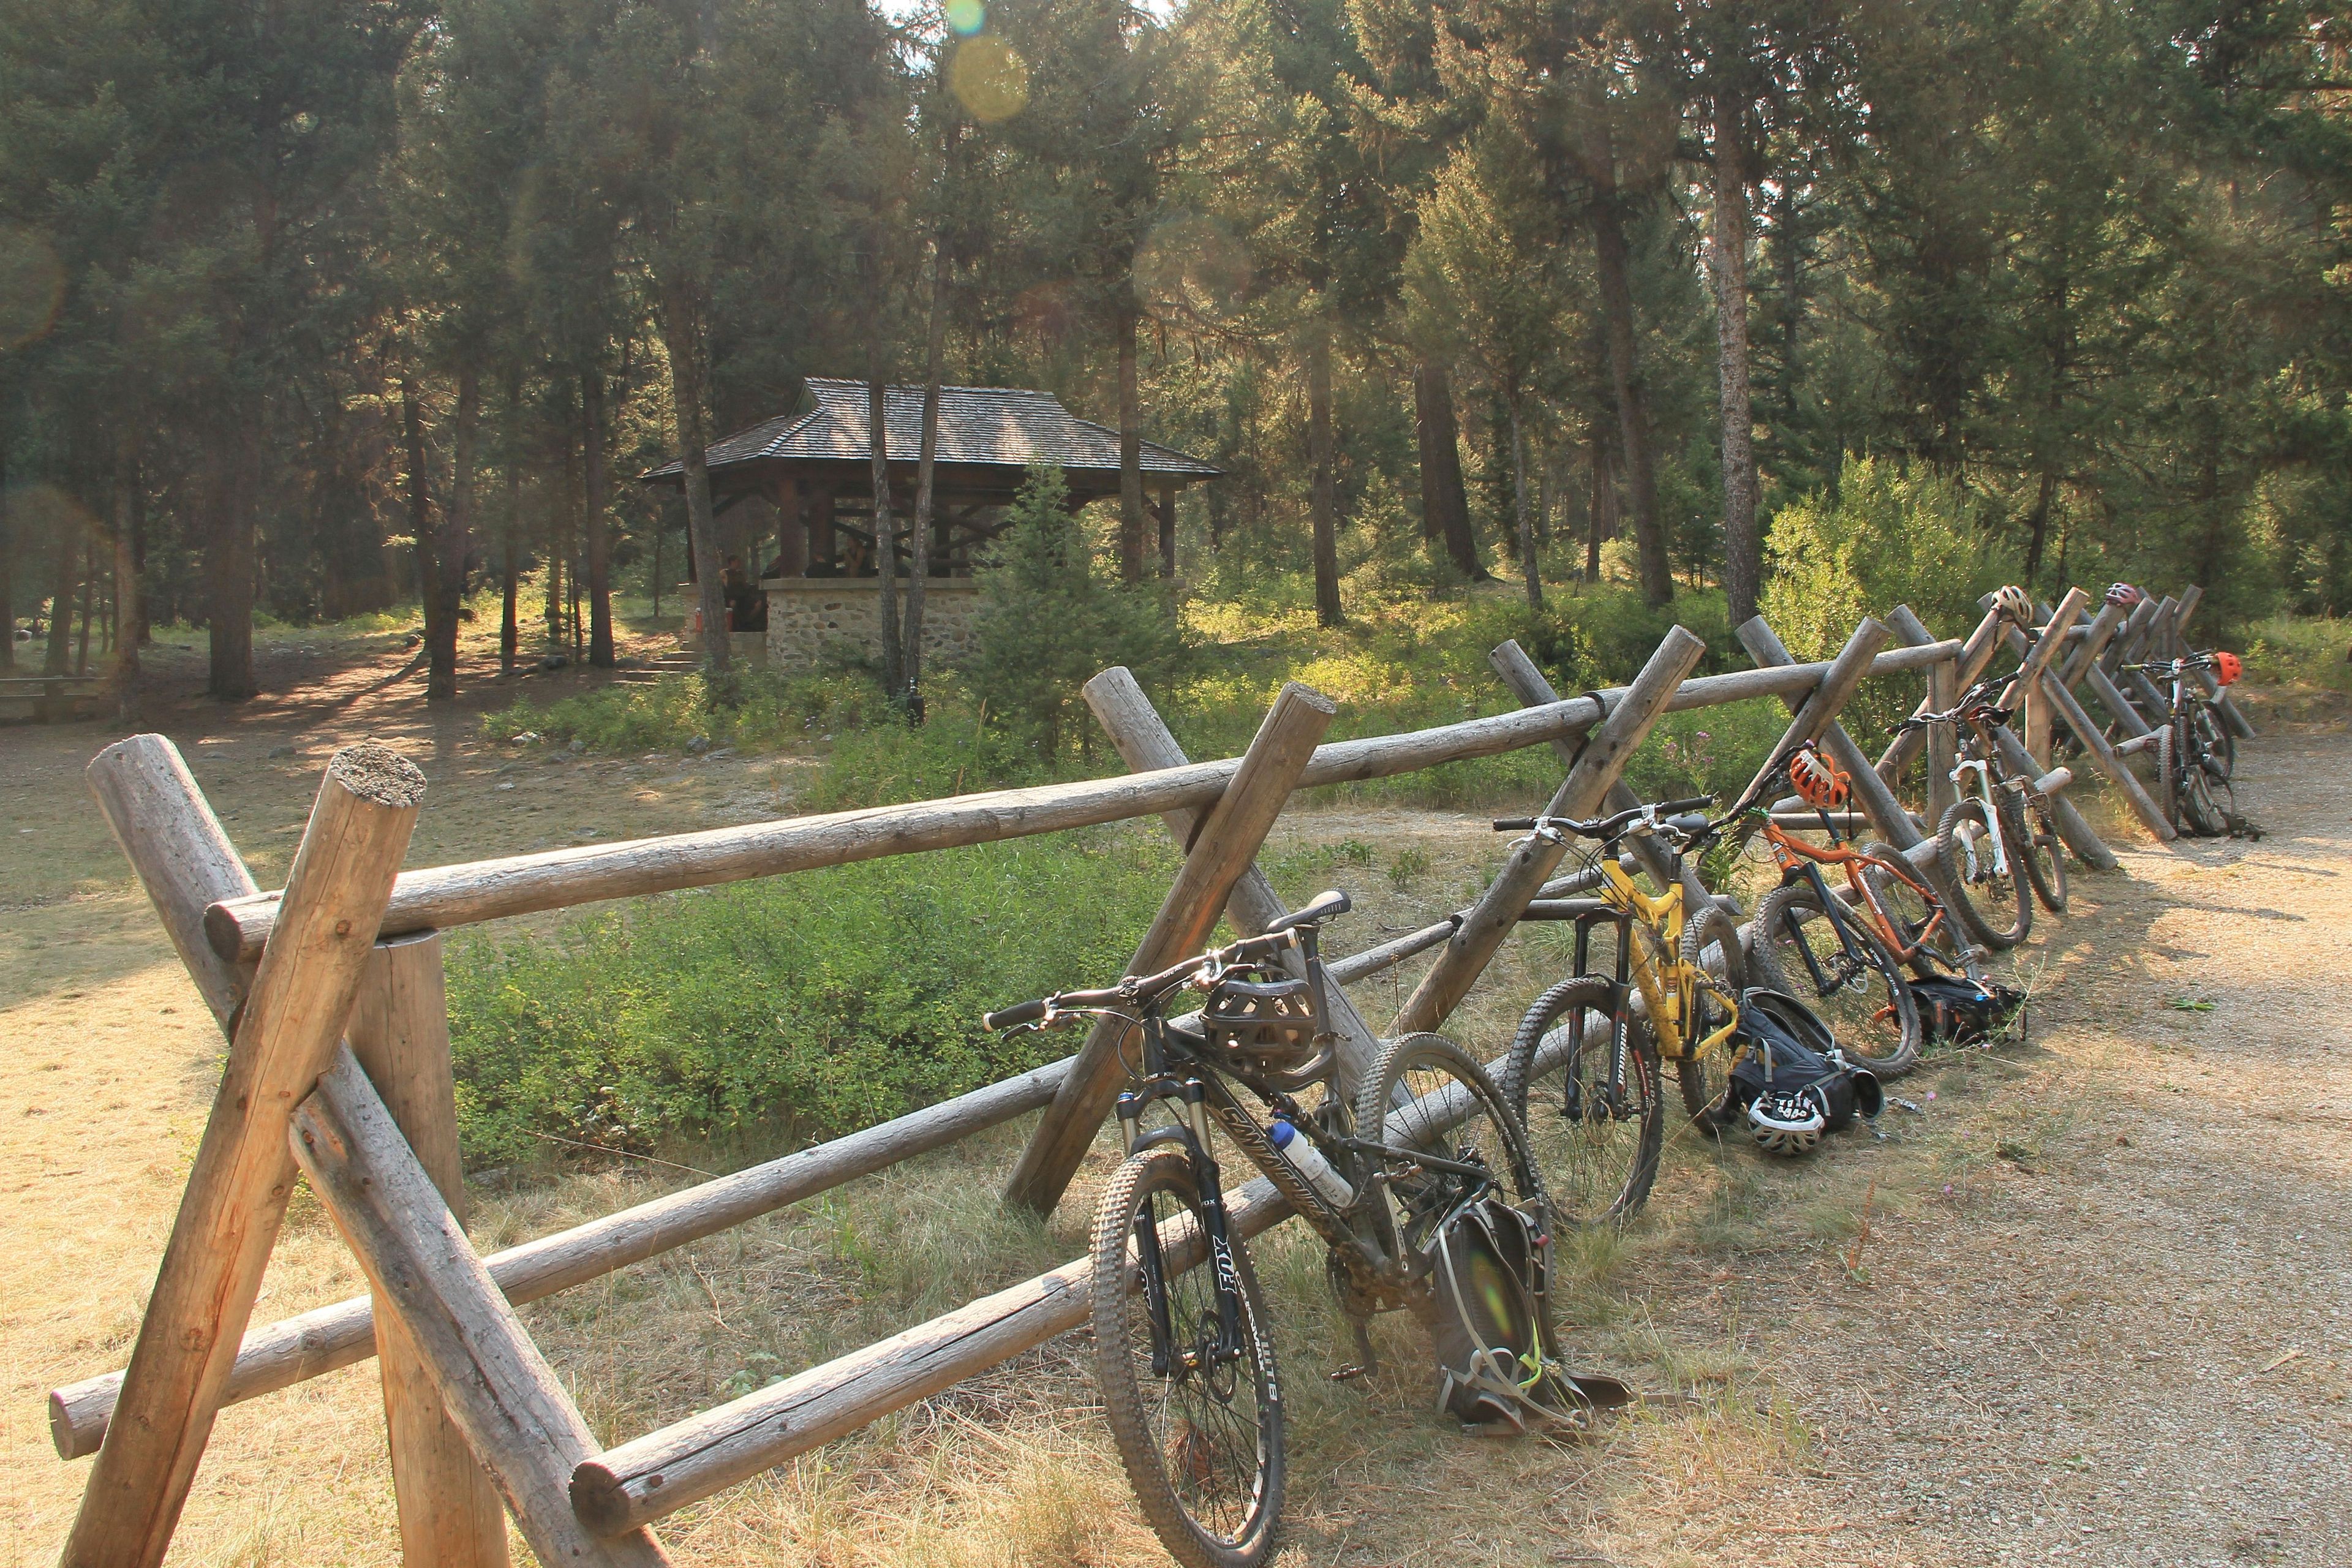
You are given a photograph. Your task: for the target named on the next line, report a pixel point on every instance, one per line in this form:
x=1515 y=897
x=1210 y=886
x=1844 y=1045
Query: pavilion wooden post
x=1222 y=848
x=1607 y=749
x=1167 y=520
x=285 y=1033
x=450 y=1515
x=1145 y=744
x=489 y=1376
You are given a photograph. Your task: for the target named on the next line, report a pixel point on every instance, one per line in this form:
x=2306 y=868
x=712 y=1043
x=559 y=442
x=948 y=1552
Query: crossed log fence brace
x=331 y=995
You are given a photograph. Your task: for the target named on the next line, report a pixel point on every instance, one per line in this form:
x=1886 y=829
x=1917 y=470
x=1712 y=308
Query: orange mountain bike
x=1845 y=954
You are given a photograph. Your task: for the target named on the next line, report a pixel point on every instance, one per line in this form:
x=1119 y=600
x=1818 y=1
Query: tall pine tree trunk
x=7 y=568
x=63 y=560
x=926 y=462
x=1525 y=518
x=453 y=540
x=228 y=570
x=682 y=333
x=598 y=542
x=1323 y=499
x=1601 y=515
x=1743 y=563
x=420 y=515
x=1130 y=441
x=1444 y=504
x=126 y=553
x=511 y=555
x=88 y=589
x=1613 y=267
x=886 y=524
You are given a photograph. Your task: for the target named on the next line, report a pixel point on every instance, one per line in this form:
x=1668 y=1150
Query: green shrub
x=1050 y=619
x=794 y=1008
x=1891 y=535
x=664 y=715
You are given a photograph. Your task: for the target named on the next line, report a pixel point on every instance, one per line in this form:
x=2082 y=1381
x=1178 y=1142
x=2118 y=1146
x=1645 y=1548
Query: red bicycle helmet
x=2227 y=667
x=1819 y=783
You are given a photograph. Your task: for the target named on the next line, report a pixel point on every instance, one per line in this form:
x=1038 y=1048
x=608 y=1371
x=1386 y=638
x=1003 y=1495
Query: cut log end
x=600 y=1498
x=375 y=772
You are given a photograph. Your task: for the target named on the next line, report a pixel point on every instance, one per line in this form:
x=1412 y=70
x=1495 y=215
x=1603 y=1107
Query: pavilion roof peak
x=1009 y=427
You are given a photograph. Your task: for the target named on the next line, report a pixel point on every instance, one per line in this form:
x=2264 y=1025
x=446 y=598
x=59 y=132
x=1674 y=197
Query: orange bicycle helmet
x=2227 y=667
x=2016 y=604
x=1820 y=784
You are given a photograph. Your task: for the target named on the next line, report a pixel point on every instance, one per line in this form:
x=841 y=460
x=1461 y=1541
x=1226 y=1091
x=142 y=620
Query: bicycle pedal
x=1350 y=1373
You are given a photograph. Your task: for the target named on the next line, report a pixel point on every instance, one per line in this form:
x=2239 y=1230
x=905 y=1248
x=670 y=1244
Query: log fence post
x=450 y=1516
x=285 y=1031
x=2027 y=687
x=1975 y=654
x=490 y=1376
x=1222 y=848
x=1607 y=749
x=1943 y=692
x=1885 y=813
x=1145 y=744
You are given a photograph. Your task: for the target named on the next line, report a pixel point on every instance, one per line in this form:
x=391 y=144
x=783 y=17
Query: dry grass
x=2045 y=1302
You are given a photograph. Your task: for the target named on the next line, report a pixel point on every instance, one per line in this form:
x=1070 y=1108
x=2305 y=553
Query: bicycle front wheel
x=2220 y=745
x=1849 y=977
x=1583 y=1081
x=1426 y=1096
x=1195 y=1413
x=2202 y=795
x=1992 y=902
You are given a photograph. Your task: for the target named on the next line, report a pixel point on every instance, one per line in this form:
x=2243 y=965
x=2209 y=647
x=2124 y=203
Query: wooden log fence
x=331 y=990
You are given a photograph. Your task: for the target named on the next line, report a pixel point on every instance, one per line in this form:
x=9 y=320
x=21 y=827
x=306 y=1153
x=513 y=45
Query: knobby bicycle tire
x=2200 y=806
x=1595 y=1150
x=1912 y=911
x=1710 y=941
x=1871 y=1013
x=1182 y=1420
x=2168 y=776
x=1469 y=1120
x=1978 y=892
x=2220 y=745
x=2034 y=824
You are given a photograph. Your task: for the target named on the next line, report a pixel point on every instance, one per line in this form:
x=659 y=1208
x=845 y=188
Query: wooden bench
x=52 y=699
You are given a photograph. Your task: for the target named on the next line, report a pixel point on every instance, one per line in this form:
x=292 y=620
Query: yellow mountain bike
x=1674 y=997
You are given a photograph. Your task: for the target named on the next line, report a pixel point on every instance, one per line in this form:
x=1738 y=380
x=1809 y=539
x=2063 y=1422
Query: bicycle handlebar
x=1666 y=813
x=1049 y=1011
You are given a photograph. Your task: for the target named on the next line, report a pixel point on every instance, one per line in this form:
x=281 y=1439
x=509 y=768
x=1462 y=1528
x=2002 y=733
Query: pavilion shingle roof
x=1010 y=426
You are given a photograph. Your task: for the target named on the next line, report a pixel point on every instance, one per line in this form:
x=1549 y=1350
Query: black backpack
x=1965 y=1011
x=1795 y=1057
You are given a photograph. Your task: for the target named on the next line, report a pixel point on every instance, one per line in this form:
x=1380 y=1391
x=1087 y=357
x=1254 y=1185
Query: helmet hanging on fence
x=2015 y=605
x=2124 y=596
x=2227 y=667
x=1819 y=783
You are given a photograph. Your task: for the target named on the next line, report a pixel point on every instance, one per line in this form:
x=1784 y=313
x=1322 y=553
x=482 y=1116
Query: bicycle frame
x=1799 y=860
x=1671 y=998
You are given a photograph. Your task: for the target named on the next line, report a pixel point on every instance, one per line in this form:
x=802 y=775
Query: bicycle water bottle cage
x=1265 y=1029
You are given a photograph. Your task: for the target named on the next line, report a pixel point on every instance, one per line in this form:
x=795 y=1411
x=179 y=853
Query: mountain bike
x=2195 y=753
x=1847 y=954
x=1999 y=841
x=1672 y=996
x=1184 y=1354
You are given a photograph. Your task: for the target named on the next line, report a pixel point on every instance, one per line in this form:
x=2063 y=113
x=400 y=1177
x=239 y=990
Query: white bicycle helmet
x=2015 y=605
x=1786 y=1123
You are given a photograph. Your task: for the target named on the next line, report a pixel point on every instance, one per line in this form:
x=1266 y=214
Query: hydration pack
x=1792 y=1083
x=1965 y=1011
x=1496 y=1372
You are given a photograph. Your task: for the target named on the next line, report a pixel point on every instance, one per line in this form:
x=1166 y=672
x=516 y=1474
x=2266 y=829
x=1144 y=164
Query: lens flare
x=990 y=78
x=966 y=15
x=32 y=284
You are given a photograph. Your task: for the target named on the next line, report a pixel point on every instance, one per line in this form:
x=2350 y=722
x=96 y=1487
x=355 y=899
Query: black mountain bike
x=2195 y=753
x=1393 y=1183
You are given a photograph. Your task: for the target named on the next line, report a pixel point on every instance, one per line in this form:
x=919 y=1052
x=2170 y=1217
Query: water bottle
x=1311 y=1163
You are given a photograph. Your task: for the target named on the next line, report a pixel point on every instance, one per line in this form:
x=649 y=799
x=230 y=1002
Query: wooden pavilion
x=814 y=468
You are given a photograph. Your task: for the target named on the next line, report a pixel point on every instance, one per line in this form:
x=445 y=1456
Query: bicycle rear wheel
x=1595 y=1119
x=1711 y=942
x=1912 y=910
x=2203 y=806
x=2032 y=824
x=1425 y=1095
x=2220 y=745
x=1993 y=903
x=1197 y=1420
x=1860 y=992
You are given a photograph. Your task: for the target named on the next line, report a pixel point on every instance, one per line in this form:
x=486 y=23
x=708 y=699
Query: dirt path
x=2099 y=1315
